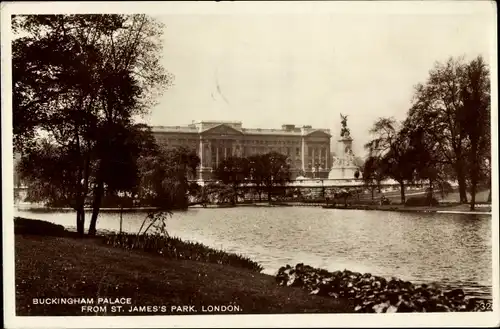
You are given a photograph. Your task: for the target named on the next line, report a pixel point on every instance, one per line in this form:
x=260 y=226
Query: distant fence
x=323 y=182
x=310 y=190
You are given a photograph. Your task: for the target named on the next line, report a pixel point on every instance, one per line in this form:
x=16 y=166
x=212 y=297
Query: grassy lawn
x=61 y=267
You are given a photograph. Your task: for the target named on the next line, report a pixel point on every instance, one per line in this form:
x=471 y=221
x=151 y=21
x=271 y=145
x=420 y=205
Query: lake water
x=453 y=250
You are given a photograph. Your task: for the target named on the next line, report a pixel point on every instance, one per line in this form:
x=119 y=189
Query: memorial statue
x=344 y=132
x=343 y=166
x=349 y=158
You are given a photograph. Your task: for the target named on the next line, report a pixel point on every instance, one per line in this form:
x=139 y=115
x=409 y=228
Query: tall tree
x=372 y=174
x=49 y=173
x=79 y=79
x=257 y=173
x=452 y=107
x=439 y=107
x=164 y=177
x=276 y=172
x=391 y=148
x=399 y=162
x=233 y=171
x=428 y=162
x=475 y=122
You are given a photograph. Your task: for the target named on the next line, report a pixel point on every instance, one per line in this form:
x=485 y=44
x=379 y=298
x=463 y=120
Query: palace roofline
x=197 y=127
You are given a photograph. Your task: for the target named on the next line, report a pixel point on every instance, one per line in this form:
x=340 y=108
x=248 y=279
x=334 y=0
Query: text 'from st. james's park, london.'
x=126 y=306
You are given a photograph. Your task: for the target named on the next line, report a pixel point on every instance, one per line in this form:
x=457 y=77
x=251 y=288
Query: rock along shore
x=374 y=294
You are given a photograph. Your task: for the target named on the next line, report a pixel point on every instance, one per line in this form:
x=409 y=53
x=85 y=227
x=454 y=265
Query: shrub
x=421 y=201
x=37 y=227
x=159 y=243
x=175 y=248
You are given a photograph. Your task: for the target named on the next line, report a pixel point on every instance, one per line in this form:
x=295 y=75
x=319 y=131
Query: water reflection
x=452 y=249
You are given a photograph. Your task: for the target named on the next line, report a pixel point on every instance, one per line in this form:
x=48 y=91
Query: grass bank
x=63 y=266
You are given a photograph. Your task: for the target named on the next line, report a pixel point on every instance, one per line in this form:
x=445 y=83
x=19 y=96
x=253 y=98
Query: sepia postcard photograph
x=250 y=164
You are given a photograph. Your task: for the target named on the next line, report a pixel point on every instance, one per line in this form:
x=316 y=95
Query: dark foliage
x=37 y=227
x=78 y=83
x=174 y=248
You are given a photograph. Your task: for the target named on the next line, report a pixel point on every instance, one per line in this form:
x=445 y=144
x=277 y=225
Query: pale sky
x=269 y=70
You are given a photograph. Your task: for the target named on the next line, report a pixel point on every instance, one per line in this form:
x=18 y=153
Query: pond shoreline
x=375 y=294
x=349 y=291
x=331 y=239
x=453 y=208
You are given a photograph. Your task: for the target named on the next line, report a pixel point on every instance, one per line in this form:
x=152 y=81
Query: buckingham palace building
x=307 y=148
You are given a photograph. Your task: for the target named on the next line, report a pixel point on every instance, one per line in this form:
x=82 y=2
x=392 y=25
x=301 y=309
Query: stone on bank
x=374 y=294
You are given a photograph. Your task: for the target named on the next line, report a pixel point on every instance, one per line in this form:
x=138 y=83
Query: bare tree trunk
x=80 y=220
x=402 y=186
x=86 y=174
x=474 y=171
x=96 y=205
x=473 y=188
x=431 y=190
x=80 y=228
x=462 y=189
x=462 y=184
x=473 y=196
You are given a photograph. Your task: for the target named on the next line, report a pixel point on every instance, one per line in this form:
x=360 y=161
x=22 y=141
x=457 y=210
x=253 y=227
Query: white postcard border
x=227 y=8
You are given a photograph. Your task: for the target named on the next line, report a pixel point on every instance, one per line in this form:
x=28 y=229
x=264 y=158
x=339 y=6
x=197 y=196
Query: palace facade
x=307 y=148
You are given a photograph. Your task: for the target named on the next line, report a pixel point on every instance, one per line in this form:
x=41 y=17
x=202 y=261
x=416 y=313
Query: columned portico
x=303 y=153
x=217 y=152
